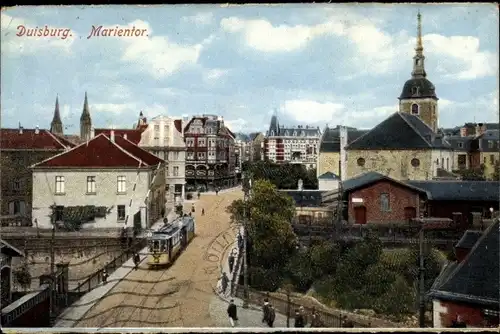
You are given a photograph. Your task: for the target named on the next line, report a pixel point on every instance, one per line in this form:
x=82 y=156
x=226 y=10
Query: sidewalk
x=250 y=317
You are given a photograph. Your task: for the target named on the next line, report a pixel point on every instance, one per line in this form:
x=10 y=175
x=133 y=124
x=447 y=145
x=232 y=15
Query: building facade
x=257 y=147
x=210 y=153
x=107 y=182
x=6 y=255
x=296 y=145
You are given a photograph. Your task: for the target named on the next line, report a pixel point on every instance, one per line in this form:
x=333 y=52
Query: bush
x=300 y=271
x=22 y=276
x=265 y=279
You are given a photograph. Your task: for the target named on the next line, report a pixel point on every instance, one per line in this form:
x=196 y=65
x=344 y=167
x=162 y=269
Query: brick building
x=106 y=182
x=376 y=198
x=21 y=148
x=210 y=153
x=469 y=287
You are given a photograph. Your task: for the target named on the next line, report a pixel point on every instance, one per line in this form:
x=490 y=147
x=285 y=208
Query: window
x=415 y=109
x=59 y=211
x=384 y=203
x=190 y=155
x=121 y=184
x=202 y=142
x=415 y=162
x=490 y=143
x=90 y=184
x=462 y=161
x=361 y=162
x=17 y=208
x=175 y=155
x=16 y=185
x=460 y=144
x=176 y=171
x=190 y=142
x=492 y=159
x=447 y=163
x=59 y=184
x=442 y=163
x=157 y=132
x=120 y=212
x=167 y=171
x=201 y=155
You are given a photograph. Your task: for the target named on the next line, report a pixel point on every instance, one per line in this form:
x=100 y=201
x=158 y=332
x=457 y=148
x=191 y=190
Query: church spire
x=56 y=124
x=418 y=59
x=85 y=121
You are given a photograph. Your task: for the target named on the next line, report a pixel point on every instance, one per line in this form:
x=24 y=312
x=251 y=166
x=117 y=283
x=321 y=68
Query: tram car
x=167 y=243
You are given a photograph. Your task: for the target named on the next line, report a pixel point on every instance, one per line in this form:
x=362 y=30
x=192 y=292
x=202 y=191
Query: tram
x=167 y=243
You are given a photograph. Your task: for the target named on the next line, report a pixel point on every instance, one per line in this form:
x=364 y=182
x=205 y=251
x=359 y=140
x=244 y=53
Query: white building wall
x=172 y=150
x=75 y=187
x=442 y=159
x=328 y=184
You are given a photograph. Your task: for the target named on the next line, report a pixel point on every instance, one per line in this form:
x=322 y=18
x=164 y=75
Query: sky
x=313 y=64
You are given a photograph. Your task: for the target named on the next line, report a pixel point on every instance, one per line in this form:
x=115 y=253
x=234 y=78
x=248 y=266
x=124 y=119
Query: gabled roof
x=328 y=176
x=134 y=135
x=469 y=239
x=459 y=190
x=101 y=152
x=366 y=179
x=400 y=131
x=475 y=279
x=305 y=198
x=10 y=250
x=29 y=139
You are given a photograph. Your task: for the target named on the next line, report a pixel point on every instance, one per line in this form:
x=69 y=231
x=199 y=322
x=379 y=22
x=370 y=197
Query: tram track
x=182 y=301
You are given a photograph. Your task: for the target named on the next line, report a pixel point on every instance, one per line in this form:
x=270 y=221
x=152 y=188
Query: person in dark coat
x=232 y=313
x=231 y=262
x=299 y=319
x=272 y=316
x=265 y=311
x=104 y=276
x=315 y=320
x=202 y=211
x=240 y=241
x=137 y=260
x=199 y=194
x=163 y=212
x=224 y=282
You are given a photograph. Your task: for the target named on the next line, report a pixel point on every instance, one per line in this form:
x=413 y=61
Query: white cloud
x=236 y=125
x=158 y=55
x=214 y=74
x=200 y=18
x=14 y=39
x=263 y=36
x=309 y=111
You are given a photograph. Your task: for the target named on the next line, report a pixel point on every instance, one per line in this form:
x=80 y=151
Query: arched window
x=415 y=109
x=272 y=133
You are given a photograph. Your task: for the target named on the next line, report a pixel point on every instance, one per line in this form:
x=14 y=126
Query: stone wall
x=84 y=255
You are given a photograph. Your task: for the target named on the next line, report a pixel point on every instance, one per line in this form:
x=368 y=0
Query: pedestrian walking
x=137 y=260
x=230 y=261
x=315 y=320
x=192 y=208
x=272 y=316
x=240 y=241
x=163 y=212
x=232 y=313
x=265 y=311
x=104 y=276
x=299 y=319
x=224 y=282
x=199 y=194
x=202 y=211
x=217 y=191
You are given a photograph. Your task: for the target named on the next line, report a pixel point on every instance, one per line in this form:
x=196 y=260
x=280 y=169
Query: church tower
x=56 y=126
x=419 y=95
x=85 y=121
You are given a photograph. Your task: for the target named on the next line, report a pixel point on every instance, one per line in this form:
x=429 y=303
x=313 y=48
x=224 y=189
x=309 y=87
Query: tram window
x=165 y=247
x=150 y=246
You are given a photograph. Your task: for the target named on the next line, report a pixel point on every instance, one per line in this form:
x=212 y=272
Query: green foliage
x=265 y=279
x=496 y=172
x=471 y=174
x=301 y=271
x=283 y=176
x=22 y=276
x=269 y=214
x=398 y=299
x=324 y=258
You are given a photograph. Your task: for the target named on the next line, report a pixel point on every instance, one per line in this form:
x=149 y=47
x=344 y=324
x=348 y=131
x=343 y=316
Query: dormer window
x=415 y=109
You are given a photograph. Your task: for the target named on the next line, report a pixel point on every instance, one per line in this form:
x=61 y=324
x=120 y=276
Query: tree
x=324 y=258
x=471 y=174
x=496 y=172
x=283 y=176
x=273 y=241
x=301 y=270
x=22 y=276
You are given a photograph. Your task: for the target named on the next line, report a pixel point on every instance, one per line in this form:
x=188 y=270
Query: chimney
x=112 y=135
x=20 y=128
x=92 y=132
x=37 y=130
x=125 y=135
x=463 y=132
x=480 y=129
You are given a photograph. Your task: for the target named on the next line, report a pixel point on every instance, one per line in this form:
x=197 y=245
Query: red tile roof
x=138 y=152
x=134 y=135
x=101 y=152
x=12 y=139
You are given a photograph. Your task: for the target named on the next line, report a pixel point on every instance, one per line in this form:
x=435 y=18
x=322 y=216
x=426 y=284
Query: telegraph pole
x=421 y=279
x=52 y=265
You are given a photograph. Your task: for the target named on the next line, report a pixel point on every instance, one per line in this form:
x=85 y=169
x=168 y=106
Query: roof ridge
x=65 y=152
x=369 y=131
x=56 y=139
x=124 y=150
x=131 y=142
x=473 y=249
x=415 y=129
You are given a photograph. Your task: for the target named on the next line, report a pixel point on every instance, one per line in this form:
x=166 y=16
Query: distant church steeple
x=85 y=121
x=56 y=126
x=418 y=96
